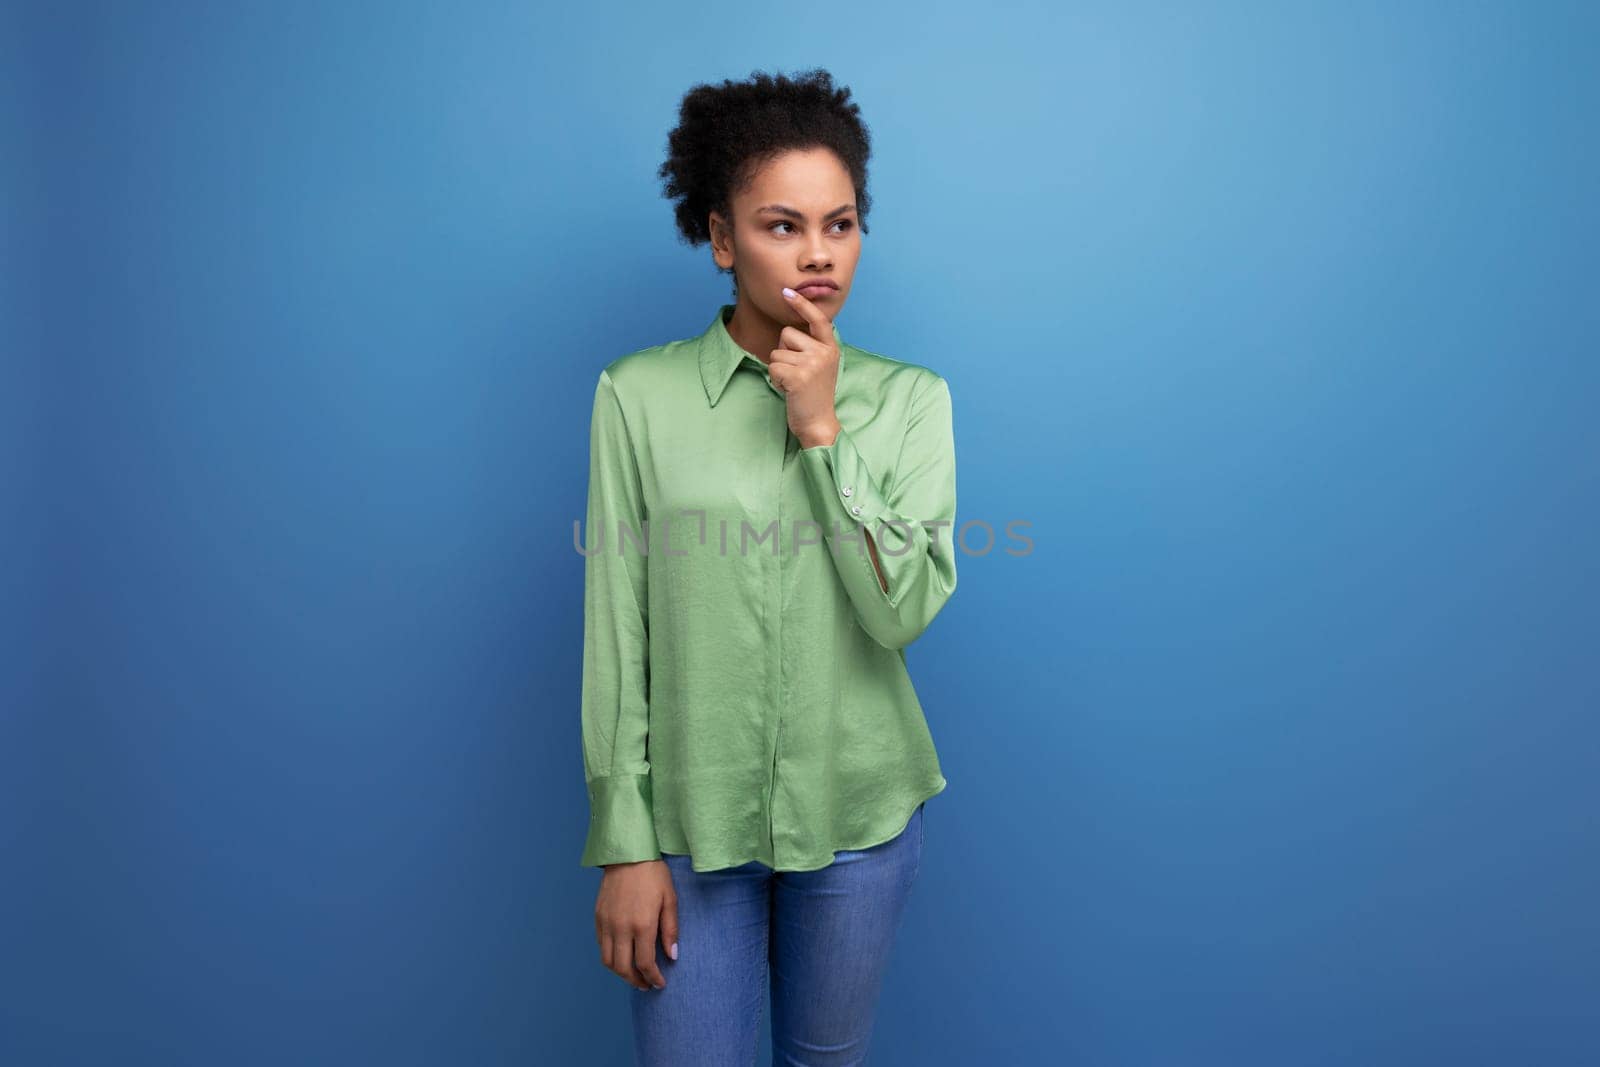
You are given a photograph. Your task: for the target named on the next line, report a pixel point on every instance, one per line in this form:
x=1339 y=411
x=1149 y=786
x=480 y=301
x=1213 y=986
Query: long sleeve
x=847 y=493
x=616 y=637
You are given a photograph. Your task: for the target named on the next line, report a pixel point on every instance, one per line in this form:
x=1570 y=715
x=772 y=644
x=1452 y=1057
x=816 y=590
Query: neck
x=753 y=331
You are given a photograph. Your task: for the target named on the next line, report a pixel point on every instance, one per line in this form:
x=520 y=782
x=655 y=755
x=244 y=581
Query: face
x=794 y=225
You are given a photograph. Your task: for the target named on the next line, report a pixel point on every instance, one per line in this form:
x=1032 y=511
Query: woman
x=755 y=754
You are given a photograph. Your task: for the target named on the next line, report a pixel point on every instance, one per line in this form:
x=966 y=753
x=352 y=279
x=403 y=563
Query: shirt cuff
x=841 y=485
x=622 y=826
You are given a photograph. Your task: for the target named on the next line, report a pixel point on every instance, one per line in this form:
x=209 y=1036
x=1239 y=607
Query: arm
x=616 y=642
x=916 y=562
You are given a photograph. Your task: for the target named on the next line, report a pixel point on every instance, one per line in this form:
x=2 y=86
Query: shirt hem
x=718 y=864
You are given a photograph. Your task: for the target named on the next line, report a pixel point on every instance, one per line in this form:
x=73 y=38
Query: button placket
x=773 y=610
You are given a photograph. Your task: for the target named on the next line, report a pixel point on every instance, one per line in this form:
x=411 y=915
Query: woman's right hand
x=636 y=905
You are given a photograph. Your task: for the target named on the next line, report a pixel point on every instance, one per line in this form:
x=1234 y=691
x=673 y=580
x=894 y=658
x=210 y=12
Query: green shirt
x=745 y=693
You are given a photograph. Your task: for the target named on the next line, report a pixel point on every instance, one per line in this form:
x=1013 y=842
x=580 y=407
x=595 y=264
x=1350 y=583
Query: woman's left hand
x=806 y=367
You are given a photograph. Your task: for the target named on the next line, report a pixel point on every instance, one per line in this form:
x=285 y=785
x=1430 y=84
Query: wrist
x=821 y=434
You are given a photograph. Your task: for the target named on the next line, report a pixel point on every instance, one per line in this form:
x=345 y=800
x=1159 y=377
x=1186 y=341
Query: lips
x=810 y=289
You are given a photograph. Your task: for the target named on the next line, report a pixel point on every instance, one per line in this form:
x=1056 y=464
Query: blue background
x=1277 y=322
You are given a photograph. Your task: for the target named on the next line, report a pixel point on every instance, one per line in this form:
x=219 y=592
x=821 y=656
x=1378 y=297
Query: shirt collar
x=720 y=355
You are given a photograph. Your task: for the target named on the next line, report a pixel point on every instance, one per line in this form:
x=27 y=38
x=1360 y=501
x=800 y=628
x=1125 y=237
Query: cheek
x=764 y=262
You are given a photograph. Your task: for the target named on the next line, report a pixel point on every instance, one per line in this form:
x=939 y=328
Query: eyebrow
x=784 y=209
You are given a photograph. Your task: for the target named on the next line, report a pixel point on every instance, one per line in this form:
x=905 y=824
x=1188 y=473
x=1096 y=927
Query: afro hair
x=726 y=132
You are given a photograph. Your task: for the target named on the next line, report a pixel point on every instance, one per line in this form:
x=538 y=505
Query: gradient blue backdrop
x=1278 y=323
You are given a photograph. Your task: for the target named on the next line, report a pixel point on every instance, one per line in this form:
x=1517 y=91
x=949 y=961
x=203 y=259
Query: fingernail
x=673 y=951
x=788 y=291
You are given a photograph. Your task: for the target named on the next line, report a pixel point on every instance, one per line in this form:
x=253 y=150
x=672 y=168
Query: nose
x=817 y=256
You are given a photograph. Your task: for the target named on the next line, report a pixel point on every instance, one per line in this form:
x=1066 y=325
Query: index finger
x=820 y=326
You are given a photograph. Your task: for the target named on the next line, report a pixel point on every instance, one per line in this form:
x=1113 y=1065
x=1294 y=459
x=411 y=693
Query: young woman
x=770 y=513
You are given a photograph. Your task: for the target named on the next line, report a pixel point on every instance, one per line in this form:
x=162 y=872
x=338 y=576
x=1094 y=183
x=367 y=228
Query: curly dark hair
x=726 y=132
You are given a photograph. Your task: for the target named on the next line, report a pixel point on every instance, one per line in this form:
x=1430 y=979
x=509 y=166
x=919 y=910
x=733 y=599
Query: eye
x=846 y=224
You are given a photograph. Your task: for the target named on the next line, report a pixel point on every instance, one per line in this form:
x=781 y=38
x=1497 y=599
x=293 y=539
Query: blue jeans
x=824 y=935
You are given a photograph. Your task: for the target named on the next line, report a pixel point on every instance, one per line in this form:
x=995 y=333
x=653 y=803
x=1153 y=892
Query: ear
x=721 y=240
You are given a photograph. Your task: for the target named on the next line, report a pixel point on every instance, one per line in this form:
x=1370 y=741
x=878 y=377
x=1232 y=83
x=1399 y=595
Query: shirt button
x=855 y=509
x=847 y=490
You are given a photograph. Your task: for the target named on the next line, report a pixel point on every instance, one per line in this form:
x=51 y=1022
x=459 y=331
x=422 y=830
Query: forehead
x=809 y=180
